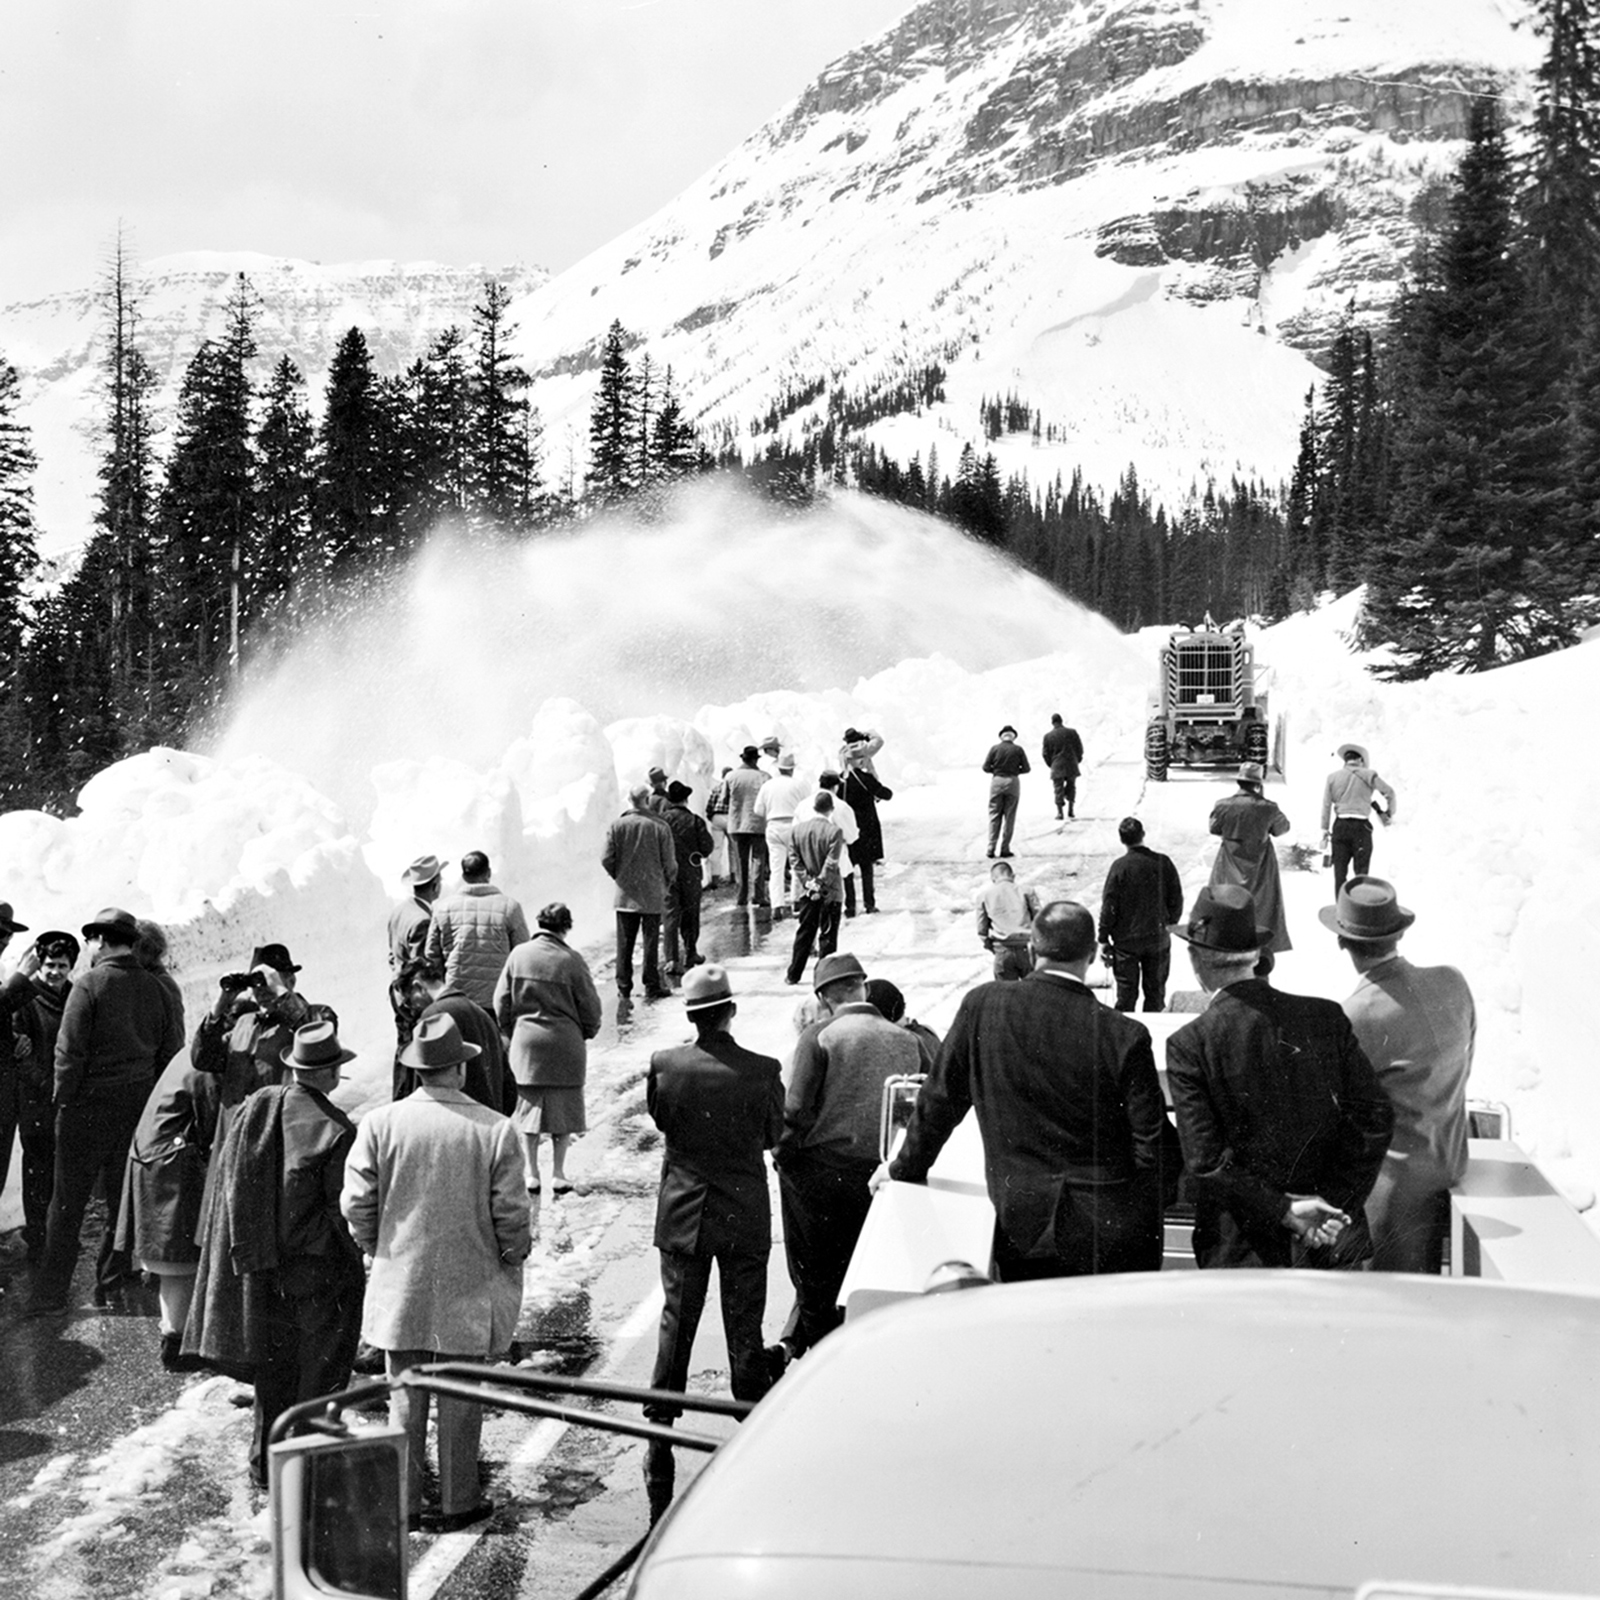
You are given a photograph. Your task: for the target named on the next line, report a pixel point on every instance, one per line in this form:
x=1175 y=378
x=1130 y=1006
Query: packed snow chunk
x=440 y=807
x=677 y=747
x=166 y=831
x=565 y=756
x=808 y=726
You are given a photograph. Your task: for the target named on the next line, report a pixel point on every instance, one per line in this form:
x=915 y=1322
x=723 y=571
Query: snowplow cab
x=1209 y=707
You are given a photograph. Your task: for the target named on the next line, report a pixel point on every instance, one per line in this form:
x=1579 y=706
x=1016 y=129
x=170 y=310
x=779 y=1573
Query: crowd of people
x=290 y=1245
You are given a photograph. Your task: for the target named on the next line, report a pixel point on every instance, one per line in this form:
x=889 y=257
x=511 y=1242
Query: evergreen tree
x=1477 y=450
x=285 y=483
x=675 y=449
x=613 y=461
x=347 y=511
x=1560 y=198
x=19 y=555
x=497 y=457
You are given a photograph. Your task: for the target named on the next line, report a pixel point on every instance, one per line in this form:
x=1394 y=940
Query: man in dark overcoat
x=279 y=1293
x=1063 y=755
x=1142 y=898
x=1078 y=1153
x=719 y=1108
x=680 y=928
x=1283 y=1121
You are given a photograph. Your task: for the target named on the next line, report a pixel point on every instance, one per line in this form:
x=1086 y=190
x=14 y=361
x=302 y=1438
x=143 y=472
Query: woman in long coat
x=1247 y=823
x=547 y=1007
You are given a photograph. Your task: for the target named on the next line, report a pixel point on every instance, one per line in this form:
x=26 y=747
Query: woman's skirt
x=553 y=1111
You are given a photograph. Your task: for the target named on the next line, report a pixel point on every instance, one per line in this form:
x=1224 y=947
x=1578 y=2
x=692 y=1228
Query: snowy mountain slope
x=1138 y=214
x=58 y=343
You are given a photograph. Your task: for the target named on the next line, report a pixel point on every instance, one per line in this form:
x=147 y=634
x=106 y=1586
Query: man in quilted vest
x=474 y=930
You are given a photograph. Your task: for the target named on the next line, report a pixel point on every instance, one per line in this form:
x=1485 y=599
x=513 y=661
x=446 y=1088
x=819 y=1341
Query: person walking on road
x=1283 y=1122
x=1078 y=1154
x=1418 y=1026
x=720 y=1109
x=549 y=1009
x=1063 y=755
x=409 y=923
x=1005 y=923
x=829 y=1148
x=474 y=930
x=1143 y=897
x=435 y=1193
x=1247 y=823
x=1347 y=807
x=816 y=845
x=1005 y=763
x=35 y=1027
x=780 y=800
x=487 y=1078
x=747 y=831
x=641 y=858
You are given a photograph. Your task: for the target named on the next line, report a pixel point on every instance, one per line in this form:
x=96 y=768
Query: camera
x=235 y=982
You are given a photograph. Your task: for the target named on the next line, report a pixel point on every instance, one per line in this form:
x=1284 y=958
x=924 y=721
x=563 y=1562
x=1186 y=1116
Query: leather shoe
x=455 y=1521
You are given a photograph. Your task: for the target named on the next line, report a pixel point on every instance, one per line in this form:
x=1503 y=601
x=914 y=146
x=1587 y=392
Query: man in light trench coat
x=435 y=1192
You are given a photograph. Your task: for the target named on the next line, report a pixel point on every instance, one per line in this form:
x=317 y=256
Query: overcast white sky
x=462 y=131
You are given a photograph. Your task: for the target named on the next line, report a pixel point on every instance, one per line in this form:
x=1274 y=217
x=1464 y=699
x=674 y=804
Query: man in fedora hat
x=120 y=1026
x=815 y=864
x=1079 y=1157
x=641 y=859
x=408 y=939
x=692 y=841
x=829 y=1148
x=1005 y=763
x=1417 y=1026
x=1347 y=807
x=1282 y=1119
x=780 y=800
x=435 y=1193
x=747 y=830
x=277 y=1297
x=719 y=1108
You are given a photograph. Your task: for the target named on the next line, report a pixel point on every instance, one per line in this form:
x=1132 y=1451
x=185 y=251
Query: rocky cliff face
x=304 y=309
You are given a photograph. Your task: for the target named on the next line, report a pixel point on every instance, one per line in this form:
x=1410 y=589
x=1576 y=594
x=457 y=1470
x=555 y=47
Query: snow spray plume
x=726 y=597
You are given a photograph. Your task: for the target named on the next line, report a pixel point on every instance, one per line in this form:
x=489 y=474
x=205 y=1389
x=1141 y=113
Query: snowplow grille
x=1204 y=675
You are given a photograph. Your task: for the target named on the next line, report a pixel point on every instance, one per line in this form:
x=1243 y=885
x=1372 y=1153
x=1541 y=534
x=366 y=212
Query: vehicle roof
x=1169 y=1435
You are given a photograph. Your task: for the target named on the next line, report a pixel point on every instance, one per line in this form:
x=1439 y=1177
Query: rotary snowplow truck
x=1209 y=706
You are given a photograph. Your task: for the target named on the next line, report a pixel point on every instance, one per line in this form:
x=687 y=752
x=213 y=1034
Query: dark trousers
x=868 y=903
x=1351 y=843
x=405 y=1024
x=680 y=928
x=1003 y=816
x=751 y=869
x=38 y=1183
x=305 y=1346
x=1012 y=962
x=1112 y=1227
x=93 y=1133
x=685 y=1280
x=824 y=1207
x=10 y=1103
x=816 y=923
x=629 y=926
x=1150 y=967
x=1066 y=792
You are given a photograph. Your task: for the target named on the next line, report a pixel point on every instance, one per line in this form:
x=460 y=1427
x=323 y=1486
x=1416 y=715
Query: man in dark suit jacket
x=1078 y=1151
x=719 y=1107
x=1142 y=898
x=1283 y=1121
x=1063 y=755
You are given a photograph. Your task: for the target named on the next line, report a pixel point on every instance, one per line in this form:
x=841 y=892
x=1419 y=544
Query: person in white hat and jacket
x=1347 y=807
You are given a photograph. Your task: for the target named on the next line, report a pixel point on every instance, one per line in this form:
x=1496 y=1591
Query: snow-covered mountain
x=1143 y=217
x=58 y=344
x=1140 y=215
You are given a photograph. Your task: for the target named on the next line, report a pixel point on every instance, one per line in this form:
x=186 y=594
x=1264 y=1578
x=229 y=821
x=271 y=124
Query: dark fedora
x=1368 y=912
x=678 y=791
x=1008 y=729
x=275 y=956
x=1224 y=918
x=316 y=1046
x=831 y=969
x=7 y=923
x=115 y=924
x=437 y=1044
x=750 y=755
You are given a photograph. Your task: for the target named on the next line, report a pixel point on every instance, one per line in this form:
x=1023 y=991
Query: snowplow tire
x=1257 y=746
x=1156 y=756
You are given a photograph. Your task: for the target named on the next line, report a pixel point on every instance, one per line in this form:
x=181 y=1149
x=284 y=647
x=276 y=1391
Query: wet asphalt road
x=117 y=1478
